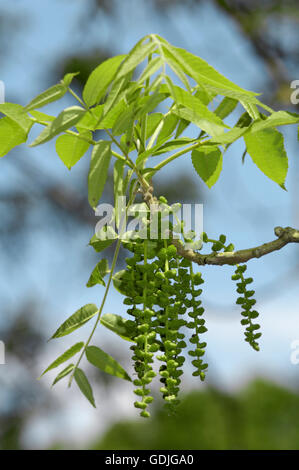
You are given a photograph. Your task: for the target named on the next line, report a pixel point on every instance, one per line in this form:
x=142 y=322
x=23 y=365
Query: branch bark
x=284 y=237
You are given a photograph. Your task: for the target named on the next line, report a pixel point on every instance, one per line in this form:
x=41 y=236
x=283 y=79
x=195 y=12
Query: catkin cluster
x=159 y=288
x=163 y=297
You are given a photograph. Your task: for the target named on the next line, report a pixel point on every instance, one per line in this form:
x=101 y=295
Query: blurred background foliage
x=38 y=204
x=261 y=416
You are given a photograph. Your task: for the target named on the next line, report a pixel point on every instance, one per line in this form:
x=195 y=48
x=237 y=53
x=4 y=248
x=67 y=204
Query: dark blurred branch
x=251 y=18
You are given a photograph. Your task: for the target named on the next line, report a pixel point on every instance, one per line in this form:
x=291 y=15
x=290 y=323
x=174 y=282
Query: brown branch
x=284 y=237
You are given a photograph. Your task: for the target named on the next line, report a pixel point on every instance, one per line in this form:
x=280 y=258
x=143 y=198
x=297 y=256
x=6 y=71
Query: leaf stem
x=78 y=99
x=176 y=155
x=120 y=157
x=100 y=309
x=117 y=143
x=115 y=256
x=130 y=162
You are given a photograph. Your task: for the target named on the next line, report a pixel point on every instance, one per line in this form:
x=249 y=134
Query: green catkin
x=160 y=289
x=140 y=290
x=169 y=328
x=247 y=302
x=218 y=245
x=198 y=325
x=196 y=309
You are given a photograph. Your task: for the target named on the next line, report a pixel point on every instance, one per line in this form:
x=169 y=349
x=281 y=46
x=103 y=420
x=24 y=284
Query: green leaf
x=84 y=385
x=91 y=119
x=71 y=148
x=17 y=113
x=230 y=136
x=108 y=120
x=137 y=55
x=182 y=126
x=172 y=145
x=119 y=190
x=266 y=148
x=204 y=95
x=98 y=171
x=117 y=281
x=279 y=118
x=42 y=116
x=63 y=373
x=205 y=124
x=244 y=120
x=153 y=120
x=201 y=71
x=127 y=179
x=65 y=357
x=148 y=104
x=179 y=73
x=197 y=112
x=103 y=239
x=65 y=120
x=11 y=135
x=99 y=80
x=78 y=319
x=106 y=363
x=119 y=88
x=226 y=107
x=208 y=163
x=251 y=109
x=143 y=156
x=96 y=277
x=53 y=93
x=68 y=78
x=150 y=69
x=119 y=325
x=169 y=125
x=124 y=120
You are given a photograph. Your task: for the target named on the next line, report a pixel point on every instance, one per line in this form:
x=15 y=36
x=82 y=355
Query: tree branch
x=284 y=237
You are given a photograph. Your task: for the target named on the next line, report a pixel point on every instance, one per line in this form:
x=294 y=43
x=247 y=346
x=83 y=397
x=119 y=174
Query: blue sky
x=46 y=34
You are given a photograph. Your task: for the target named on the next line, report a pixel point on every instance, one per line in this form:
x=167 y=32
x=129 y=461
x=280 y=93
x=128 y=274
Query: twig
x=284 y=237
